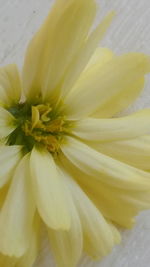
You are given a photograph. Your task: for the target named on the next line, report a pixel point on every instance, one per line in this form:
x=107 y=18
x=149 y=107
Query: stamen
x=44 y=129
x=39 y=124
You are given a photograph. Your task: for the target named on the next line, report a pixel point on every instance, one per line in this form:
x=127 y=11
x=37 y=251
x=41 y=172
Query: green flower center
x=38 y=124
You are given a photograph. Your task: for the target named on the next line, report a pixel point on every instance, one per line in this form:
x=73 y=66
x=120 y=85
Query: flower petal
x=126 y=127
x=30 y=256
x=121 y=100
x=98 y=237
x=71 y=240
x=9 y=158
x=85 y=53
x=102 y=55
x=116 y=204
x=98 y=86
x=116 y=234
x=3 y=194
x=55 y=56
x=135 y=152
x=10 y=85
x=104 y=168
x=17 y=213
x=49 y=190
x=7 y=123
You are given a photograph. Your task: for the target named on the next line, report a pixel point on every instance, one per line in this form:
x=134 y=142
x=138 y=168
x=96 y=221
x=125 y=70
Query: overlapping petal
x=128 y=127
x=70 y=240
x=9 y=158
x=49 y=190
x=120 y=206
x=102 y=55
x=17 y=213
x=30 y=256
x=7 y=123
x=10 y=85
x=83 y=57
x=135 y=152
x=105 y=168
x=121 y=101
x=91 y=186
x=47 y=49
x=98 y=236
x=117 y=205
x=98 y=86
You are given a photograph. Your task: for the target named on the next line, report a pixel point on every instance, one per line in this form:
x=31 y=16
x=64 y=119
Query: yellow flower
x=66 y=164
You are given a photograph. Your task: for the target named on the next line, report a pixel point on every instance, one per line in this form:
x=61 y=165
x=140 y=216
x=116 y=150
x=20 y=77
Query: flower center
x=38 y=124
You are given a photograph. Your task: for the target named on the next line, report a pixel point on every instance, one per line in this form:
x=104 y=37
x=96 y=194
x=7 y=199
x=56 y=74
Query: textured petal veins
x=70 y=167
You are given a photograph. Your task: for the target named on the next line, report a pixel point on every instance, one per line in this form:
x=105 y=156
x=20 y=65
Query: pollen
x=39 y=124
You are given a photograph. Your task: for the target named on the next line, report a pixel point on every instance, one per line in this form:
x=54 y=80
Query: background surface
x=19 y=19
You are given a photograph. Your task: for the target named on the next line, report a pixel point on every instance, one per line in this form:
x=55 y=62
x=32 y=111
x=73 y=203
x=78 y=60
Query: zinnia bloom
x=66 y=163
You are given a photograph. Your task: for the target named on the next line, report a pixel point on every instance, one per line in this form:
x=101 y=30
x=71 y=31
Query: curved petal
x=99 y=85
x=71 y=240
x=98 y=237
x=17 y=213
x=115 y=232
x=101 y=56
x=85 y=54
x=30 y=256
x=7 y=123
x=49 y=190
x=127 y=127
x=104 y=168
x=10 y=85
x=116 y=204
x=135 y=152
x=9 y=158
x=49 y=51
x=3 y=194
x=120 y=206
x=121 y=100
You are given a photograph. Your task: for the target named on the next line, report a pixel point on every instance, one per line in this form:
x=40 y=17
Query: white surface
x=19 y=19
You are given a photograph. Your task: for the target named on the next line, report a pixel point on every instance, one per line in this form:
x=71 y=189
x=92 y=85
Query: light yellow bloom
x=66 y=163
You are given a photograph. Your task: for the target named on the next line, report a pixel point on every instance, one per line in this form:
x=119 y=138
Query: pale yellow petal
x=120 y=206
x=121 y=100
x=98 y=237
x=135 y=152
x=10 y=85
x=70 y=241
x=30 y=256
x=49 y=190
x=102 y=55
x=99 y=85
x=99 y=165
x=17 y=213
x=9 y=158
x=84 y=54
x=56 y=44
x=127 y=127
x=116 y=233
x=116 y=204
x=7 y=123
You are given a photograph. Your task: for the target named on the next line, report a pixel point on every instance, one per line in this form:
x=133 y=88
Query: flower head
x=67 y=164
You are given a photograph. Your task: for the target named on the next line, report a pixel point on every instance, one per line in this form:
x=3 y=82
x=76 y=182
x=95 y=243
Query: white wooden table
x=19 y=19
